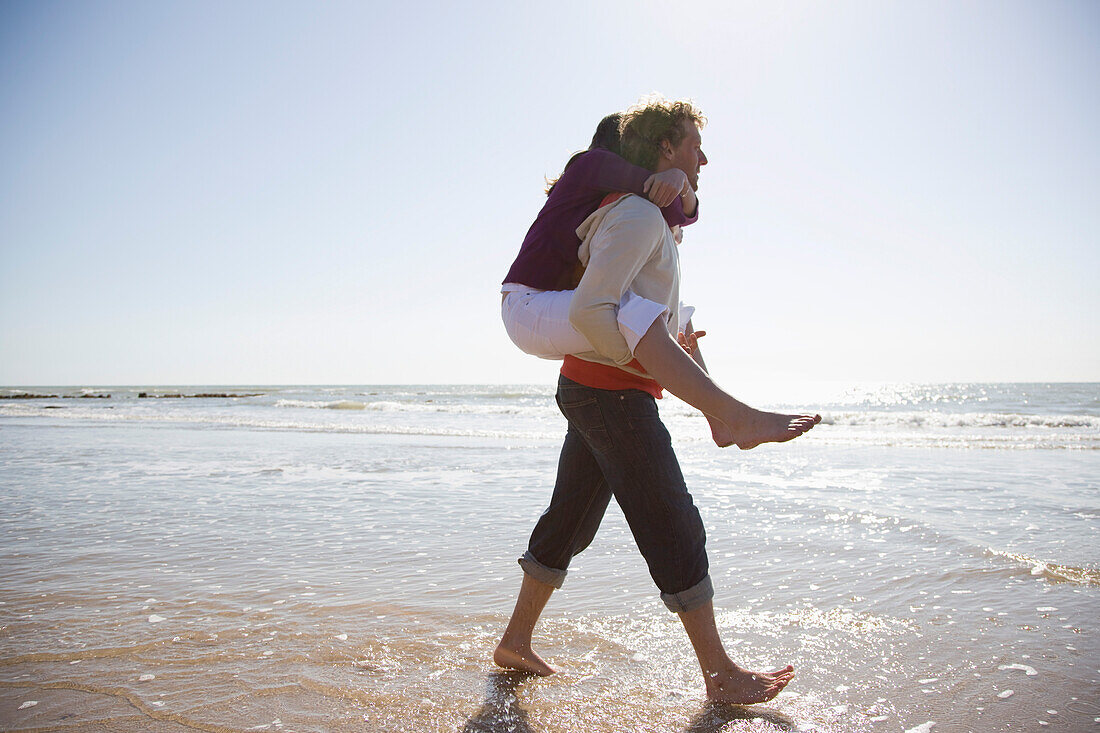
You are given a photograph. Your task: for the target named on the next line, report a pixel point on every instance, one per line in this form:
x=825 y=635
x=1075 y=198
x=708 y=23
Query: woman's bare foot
x=523 y=660
x=756 y=427
x=719 y=432
x=763 y=427
x=739 y=686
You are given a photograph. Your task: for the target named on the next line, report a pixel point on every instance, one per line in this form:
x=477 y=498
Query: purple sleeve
x=674 y=214
x=602 y=170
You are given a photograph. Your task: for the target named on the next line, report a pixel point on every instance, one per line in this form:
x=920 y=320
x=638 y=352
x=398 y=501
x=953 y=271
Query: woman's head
x=607 y=133
x=606 y=137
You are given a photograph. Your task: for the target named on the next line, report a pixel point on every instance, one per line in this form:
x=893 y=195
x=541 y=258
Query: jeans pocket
x=640 y=409
x=582 y=409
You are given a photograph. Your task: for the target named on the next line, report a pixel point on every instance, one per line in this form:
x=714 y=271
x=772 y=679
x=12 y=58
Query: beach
x=343 y=558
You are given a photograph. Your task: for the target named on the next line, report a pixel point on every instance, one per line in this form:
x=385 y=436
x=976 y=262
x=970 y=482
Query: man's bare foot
x=739 y=686
x=523 y=660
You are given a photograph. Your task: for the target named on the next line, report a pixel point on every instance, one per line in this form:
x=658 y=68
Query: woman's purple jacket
x=548 y=258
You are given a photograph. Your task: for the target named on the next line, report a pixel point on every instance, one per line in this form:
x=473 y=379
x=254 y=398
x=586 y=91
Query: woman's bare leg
x=677 y=372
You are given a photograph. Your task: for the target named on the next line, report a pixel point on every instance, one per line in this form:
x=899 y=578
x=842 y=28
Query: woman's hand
x=690 y=202
x=690 y=342
x=663 y=188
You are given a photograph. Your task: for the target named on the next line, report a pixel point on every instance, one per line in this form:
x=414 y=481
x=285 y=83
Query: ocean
x=343 y=558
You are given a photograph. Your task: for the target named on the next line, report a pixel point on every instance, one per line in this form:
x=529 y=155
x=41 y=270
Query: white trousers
x=537 y=321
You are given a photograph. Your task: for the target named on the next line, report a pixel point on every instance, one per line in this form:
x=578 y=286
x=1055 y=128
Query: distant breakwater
x=141 y=395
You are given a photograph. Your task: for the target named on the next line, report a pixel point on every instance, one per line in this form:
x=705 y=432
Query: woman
x=538 y=288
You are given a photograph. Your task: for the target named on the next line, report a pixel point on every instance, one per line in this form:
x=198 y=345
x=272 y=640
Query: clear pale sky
x=273 y=193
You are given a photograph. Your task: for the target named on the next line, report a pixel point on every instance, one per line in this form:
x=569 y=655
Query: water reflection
x=500 y=713
x=714 y=717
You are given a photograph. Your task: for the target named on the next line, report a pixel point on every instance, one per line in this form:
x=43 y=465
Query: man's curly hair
x=652 y=121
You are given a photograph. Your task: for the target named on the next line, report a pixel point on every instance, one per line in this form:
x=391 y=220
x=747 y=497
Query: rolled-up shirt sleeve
x=625 y=239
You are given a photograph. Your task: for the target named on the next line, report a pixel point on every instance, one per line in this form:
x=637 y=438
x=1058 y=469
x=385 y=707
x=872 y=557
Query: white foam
x=418 y=406
x=929 y=419
x=1005 y=694
x=922 y=728
x=146 y=677
x=28 y=704
x=155 y=619
x=323 y=404
x=1029 y=671
x=264 y=423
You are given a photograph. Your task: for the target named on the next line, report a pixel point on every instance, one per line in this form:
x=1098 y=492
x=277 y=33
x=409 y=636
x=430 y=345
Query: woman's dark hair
x=607 y=134
x=606 y=137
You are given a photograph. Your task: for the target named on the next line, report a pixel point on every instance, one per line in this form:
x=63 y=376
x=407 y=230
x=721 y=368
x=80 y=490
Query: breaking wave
x=927 y=419
x=1050 y=570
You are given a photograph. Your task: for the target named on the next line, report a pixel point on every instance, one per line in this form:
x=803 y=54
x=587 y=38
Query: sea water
x=344 y=559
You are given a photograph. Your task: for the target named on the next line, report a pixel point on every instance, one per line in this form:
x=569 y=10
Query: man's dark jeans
x=617 y=445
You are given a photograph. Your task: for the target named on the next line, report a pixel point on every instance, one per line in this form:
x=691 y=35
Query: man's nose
x=702 y=158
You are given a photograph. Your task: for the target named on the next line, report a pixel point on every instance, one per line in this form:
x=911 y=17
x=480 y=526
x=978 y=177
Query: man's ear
x=666 y=149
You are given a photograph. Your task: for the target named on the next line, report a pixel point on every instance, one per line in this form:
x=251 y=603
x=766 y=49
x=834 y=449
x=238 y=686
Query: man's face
x=688 y=155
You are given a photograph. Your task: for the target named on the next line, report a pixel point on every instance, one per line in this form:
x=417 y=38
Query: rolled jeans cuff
x=690 y=599
x=550 y=576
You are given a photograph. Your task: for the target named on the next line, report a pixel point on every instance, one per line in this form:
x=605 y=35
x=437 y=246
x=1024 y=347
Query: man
x=616 y=444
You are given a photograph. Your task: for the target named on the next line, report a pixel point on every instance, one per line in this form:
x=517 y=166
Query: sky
x=331 y=193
